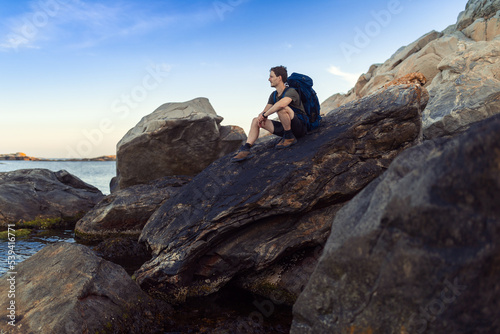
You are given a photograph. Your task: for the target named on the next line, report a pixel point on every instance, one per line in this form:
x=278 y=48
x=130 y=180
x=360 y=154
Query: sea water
x=24 y=247
x=96 y=173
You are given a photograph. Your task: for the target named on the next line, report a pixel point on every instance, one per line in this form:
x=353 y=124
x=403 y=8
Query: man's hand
x=262 y=120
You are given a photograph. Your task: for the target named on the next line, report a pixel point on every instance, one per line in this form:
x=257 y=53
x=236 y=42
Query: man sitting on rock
x=285 y=101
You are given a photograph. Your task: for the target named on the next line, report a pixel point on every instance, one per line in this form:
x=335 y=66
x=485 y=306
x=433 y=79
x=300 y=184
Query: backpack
x=303 y=85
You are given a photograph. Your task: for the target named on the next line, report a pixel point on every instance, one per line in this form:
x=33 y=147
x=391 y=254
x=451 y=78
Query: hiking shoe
x=243 y=154
x=284 y=143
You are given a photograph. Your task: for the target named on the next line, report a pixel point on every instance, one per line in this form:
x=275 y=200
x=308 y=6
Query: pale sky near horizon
x=76 y=75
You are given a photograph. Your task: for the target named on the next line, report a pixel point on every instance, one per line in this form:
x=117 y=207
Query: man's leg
x=286 y=115
x=244 y=152
x=253 y=134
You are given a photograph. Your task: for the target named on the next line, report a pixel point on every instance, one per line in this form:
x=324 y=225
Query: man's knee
x=285 y=112
x=282 y=111
x=255 y=121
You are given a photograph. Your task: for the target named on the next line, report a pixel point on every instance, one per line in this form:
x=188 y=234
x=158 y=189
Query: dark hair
x=280 y=71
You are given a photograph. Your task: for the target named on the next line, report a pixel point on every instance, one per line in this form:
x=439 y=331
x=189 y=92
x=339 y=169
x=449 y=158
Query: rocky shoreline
x=23 y=157
x=384 y=220
x=17 y=156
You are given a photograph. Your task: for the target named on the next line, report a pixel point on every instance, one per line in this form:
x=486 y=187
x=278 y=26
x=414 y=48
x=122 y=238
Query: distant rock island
x=23 y=156
x=17 y=156
x=101 y=158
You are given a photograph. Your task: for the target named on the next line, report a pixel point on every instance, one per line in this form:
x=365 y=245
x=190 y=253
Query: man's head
x=276 y=74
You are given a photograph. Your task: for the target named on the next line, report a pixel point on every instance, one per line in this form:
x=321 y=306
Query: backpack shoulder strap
x=275 y=94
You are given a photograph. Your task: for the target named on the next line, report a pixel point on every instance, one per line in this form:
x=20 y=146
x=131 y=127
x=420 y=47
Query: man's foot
x=243 y=154
x=284 y=143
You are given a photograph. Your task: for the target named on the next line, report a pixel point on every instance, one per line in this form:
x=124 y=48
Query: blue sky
x=76 y=75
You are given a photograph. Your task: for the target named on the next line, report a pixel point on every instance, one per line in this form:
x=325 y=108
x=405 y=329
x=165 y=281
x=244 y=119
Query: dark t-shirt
x=294 y=95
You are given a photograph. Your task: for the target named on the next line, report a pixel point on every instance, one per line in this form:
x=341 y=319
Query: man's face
x=273 y=79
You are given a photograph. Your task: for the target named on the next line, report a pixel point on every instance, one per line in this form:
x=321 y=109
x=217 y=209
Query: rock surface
x=29 y=194
x=233 y=219
x=65 y=288
x=176 y=139
x=124 y=251
x=417 y=250
x=466 y=90
x=477 y=10
x=125 y=212
x=461 y=62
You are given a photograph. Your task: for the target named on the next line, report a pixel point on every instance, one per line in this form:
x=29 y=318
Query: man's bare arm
x=261 y=117
x=268 y=106
x=284 y=102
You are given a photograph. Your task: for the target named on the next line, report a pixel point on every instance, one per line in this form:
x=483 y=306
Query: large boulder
x=235 y=219
x=417 y=53
x=477 y=10
x=466 y=90
x=417 y=250
x=125 y=212
x=29 y=194
x=176 y=139
x=66 y=289
x=484 y=29
x=461 y=67
x=422 y=56
x=335 y=101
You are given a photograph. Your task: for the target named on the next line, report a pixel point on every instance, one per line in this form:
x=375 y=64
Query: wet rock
x=417 y=250
x=30 y=194
x=235 y=218
x=65 y=288
x=125 y=212
x=126 y=252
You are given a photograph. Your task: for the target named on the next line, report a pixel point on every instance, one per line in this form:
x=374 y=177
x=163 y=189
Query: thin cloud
x=87 y=24
x=352 y=78
x=35 y=25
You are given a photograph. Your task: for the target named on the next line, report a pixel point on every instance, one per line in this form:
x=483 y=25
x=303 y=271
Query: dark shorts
x=299 y=128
